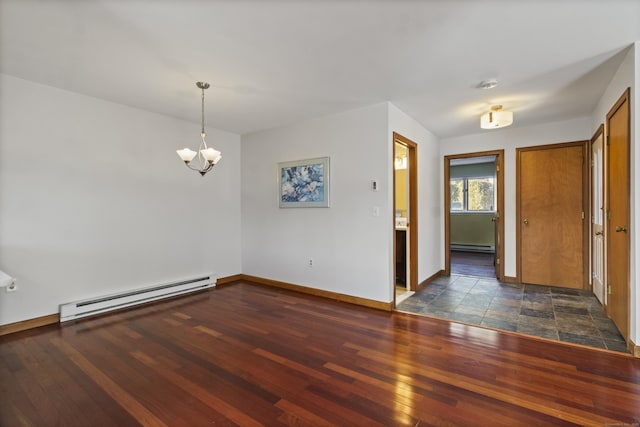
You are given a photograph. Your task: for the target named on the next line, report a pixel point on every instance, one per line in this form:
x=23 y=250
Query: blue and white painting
x=304 y=183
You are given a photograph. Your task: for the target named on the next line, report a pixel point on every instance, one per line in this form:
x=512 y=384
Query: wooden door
x=551 y=226
x=499 y=182
x=597 y=214
x=618 y=214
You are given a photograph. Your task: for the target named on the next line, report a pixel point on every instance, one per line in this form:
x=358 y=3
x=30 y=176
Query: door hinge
x=497 y=168
x=608 y=289
x=497 y=261
x=608 y=139
x=582 y=215
x=609 y=215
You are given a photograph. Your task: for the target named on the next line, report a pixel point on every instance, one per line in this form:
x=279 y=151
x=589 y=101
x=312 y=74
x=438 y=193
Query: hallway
x=559 y=314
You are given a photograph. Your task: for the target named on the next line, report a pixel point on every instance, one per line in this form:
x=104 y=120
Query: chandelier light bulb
x=186 y=154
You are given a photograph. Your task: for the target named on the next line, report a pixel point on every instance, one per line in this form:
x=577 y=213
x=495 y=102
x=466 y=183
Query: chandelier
x=207 y=156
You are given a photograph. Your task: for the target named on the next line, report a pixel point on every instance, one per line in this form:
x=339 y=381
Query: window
x=473 y=194
x=457 y=194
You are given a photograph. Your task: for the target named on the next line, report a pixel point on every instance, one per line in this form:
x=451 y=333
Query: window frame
x=465 y=195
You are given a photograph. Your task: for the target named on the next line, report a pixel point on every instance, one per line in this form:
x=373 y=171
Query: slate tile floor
x=560 y=314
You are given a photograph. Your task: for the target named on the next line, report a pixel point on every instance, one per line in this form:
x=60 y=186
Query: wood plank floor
x=249 y=355
x=473 y=264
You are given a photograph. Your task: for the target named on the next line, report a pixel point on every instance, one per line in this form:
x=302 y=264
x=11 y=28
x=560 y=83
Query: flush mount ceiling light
x=496 y=118
x=207 y=157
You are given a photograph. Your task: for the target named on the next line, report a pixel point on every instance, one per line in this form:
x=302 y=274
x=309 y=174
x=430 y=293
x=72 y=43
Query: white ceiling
x=272 y=63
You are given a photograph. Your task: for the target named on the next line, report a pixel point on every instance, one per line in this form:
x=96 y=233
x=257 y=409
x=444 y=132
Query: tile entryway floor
x=560 y=314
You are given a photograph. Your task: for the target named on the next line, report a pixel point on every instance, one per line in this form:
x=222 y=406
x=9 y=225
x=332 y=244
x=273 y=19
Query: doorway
x=405 y=221
x=550 y=203
x=617 y=228
x=474 y=194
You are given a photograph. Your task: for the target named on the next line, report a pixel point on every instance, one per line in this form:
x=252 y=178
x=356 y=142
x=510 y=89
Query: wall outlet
x=310 y=262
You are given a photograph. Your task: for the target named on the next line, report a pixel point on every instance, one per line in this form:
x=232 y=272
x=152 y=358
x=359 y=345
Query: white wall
x=508 y=139
x=627 y=75
x=94 y=199
x=349 y=246
x=430 y=210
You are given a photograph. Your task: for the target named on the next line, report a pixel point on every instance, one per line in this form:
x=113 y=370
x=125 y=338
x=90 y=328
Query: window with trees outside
x=473 y=194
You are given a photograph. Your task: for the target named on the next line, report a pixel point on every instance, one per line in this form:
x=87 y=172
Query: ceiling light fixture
x=496 y=118
x=208 y=157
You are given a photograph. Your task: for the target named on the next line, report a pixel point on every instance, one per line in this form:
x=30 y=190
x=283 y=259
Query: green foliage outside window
x=457 y=194
x=480 y=194
x=472 y=194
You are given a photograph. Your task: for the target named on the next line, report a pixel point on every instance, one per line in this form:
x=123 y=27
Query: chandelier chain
x=203 y=110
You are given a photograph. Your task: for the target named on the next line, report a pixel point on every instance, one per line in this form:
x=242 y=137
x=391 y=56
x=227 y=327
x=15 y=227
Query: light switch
x=376 y=211
x=374 y=185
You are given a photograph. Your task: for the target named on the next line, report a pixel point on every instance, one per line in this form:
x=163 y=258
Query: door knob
x=526 y=221
x=493 y=219
x=621 y=228
x=598 y=233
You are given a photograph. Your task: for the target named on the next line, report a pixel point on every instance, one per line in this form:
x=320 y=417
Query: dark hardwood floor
x=249 y=355
x=477 y=264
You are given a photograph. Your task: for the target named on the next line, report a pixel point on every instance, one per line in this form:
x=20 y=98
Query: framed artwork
x=304 y=183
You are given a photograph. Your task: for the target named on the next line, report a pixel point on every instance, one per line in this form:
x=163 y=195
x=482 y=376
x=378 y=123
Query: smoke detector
x=488 y=84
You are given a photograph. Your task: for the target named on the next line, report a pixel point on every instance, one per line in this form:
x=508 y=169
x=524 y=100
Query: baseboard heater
x=103 y=304
x=473 y=248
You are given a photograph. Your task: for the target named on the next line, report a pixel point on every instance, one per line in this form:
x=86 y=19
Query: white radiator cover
x=473 y=248
x=106 y=303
